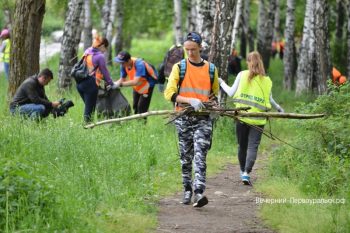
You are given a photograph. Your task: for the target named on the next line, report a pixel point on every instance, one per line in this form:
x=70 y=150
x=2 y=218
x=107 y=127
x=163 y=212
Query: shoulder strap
x=183 y=66
x=211 y=72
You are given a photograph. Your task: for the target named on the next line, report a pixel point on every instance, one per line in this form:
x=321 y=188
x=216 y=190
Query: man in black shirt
x=30 y=99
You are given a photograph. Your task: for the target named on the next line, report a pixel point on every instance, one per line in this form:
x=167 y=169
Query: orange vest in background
x=337 y=78
x=143 y=85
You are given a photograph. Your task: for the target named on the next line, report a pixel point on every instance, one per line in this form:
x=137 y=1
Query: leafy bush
x=22 y=194
x=322 y=166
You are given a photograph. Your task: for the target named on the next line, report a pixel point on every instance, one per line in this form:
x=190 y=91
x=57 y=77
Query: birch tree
x=205 y=17
x=109 y=31
x=178 y=21
x=87 y=24
x=339 y=54
x=191 y=16
x=289 y=58
x=237 y=22
x=276 y=23
x=265 y=30
x=70 y=43
x=247 y=35
x=221 y=38
x=314 y=63
x=25 y=41
x=119 y=27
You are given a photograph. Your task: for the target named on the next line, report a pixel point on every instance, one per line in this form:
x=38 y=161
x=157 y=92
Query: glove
x=279 y=109
x=220 y=81
x=196 y=104
x=115 y=85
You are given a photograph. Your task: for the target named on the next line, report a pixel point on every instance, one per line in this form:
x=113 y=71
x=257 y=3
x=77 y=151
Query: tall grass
x=56 y=176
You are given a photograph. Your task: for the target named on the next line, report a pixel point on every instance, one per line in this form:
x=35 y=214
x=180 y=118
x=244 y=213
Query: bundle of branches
x=210 y=108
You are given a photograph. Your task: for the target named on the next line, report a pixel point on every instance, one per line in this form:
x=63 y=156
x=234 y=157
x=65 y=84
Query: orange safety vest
x=335 y=74
x=196 y=83
x=91 y=67
x=143 y=85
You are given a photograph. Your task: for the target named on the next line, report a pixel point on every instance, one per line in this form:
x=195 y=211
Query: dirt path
x=231 y=208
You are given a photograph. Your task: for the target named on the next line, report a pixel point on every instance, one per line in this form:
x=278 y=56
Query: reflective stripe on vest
x=254 y=94
x=6 y=55
x=142 y=85
x=196 y=82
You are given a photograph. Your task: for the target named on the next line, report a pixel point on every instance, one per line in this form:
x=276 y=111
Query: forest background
x=57 y=176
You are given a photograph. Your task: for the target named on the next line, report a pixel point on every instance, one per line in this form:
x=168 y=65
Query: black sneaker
x=187 y=197
x=200 y=200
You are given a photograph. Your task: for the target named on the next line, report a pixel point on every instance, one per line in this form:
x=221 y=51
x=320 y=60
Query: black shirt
x=30 y=92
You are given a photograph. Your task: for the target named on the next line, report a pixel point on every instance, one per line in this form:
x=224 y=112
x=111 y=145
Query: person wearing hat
x=194 y=130
x=96 y=63
x=5 y=51
x=142 y=77
x=30 y=99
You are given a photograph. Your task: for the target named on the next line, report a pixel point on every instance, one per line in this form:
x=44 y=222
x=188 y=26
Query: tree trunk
x=105 y=12
x=339 y=54
x=245 y=28
x=314 y=63
x=221 y=38
x=178 y=21
x=87 y=24
x=119 y=28
x=25 y=41
x=205 y=16
x=289 y=58
x=276 y=23
x=109 y=32
x=191 y=16
x=265 y=30
x=323 y=51
x=237 y=22
x=70 y=43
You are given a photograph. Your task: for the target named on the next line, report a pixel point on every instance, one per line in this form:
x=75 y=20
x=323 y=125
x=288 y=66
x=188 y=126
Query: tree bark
x=221 y=38
x=119 y=27
x=191 y=16
x=178 y=21
x=314 y=64
x=289 y=58
x=276 y=23
x=25 y=41
x=205 y=16
x=109 y=32
x=339 y=54
x=87 y=24
x=70 y=43
x=265 y=30
x=245 y=28
x=237 y=23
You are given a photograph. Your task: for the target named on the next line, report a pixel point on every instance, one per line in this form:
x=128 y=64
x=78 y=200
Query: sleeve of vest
x=171 y=88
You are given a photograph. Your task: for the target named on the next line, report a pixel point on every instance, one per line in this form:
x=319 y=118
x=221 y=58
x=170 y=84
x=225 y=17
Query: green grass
x=69 y=179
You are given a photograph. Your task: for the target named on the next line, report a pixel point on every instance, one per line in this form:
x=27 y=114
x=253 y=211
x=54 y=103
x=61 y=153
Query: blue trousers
x=33 y=111
x=88 y=91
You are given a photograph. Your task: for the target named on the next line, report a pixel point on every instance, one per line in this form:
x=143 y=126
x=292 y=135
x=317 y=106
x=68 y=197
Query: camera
x=63 y=108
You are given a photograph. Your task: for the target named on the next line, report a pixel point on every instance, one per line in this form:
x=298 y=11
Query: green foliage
x=24 y=195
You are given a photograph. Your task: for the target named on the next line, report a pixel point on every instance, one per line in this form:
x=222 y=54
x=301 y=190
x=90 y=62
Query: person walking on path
x=142 y=77
x=30 y=99
x=191 y=82
x=96 y=63
x=5 y=49
x=252 y=88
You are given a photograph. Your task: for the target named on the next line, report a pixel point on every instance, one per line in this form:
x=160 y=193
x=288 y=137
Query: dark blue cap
x=195 y=37
x=122 y=57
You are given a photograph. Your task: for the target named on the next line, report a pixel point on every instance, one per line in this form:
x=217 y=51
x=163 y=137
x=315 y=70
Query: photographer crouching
x=31 y=101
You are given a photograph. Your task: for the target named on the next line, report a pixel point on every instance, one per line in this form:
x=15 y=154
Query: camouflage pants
x=194 y=134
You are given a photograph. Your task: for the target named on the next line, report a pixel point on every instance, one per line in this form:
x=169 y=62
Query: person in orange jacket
x=337 y=77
